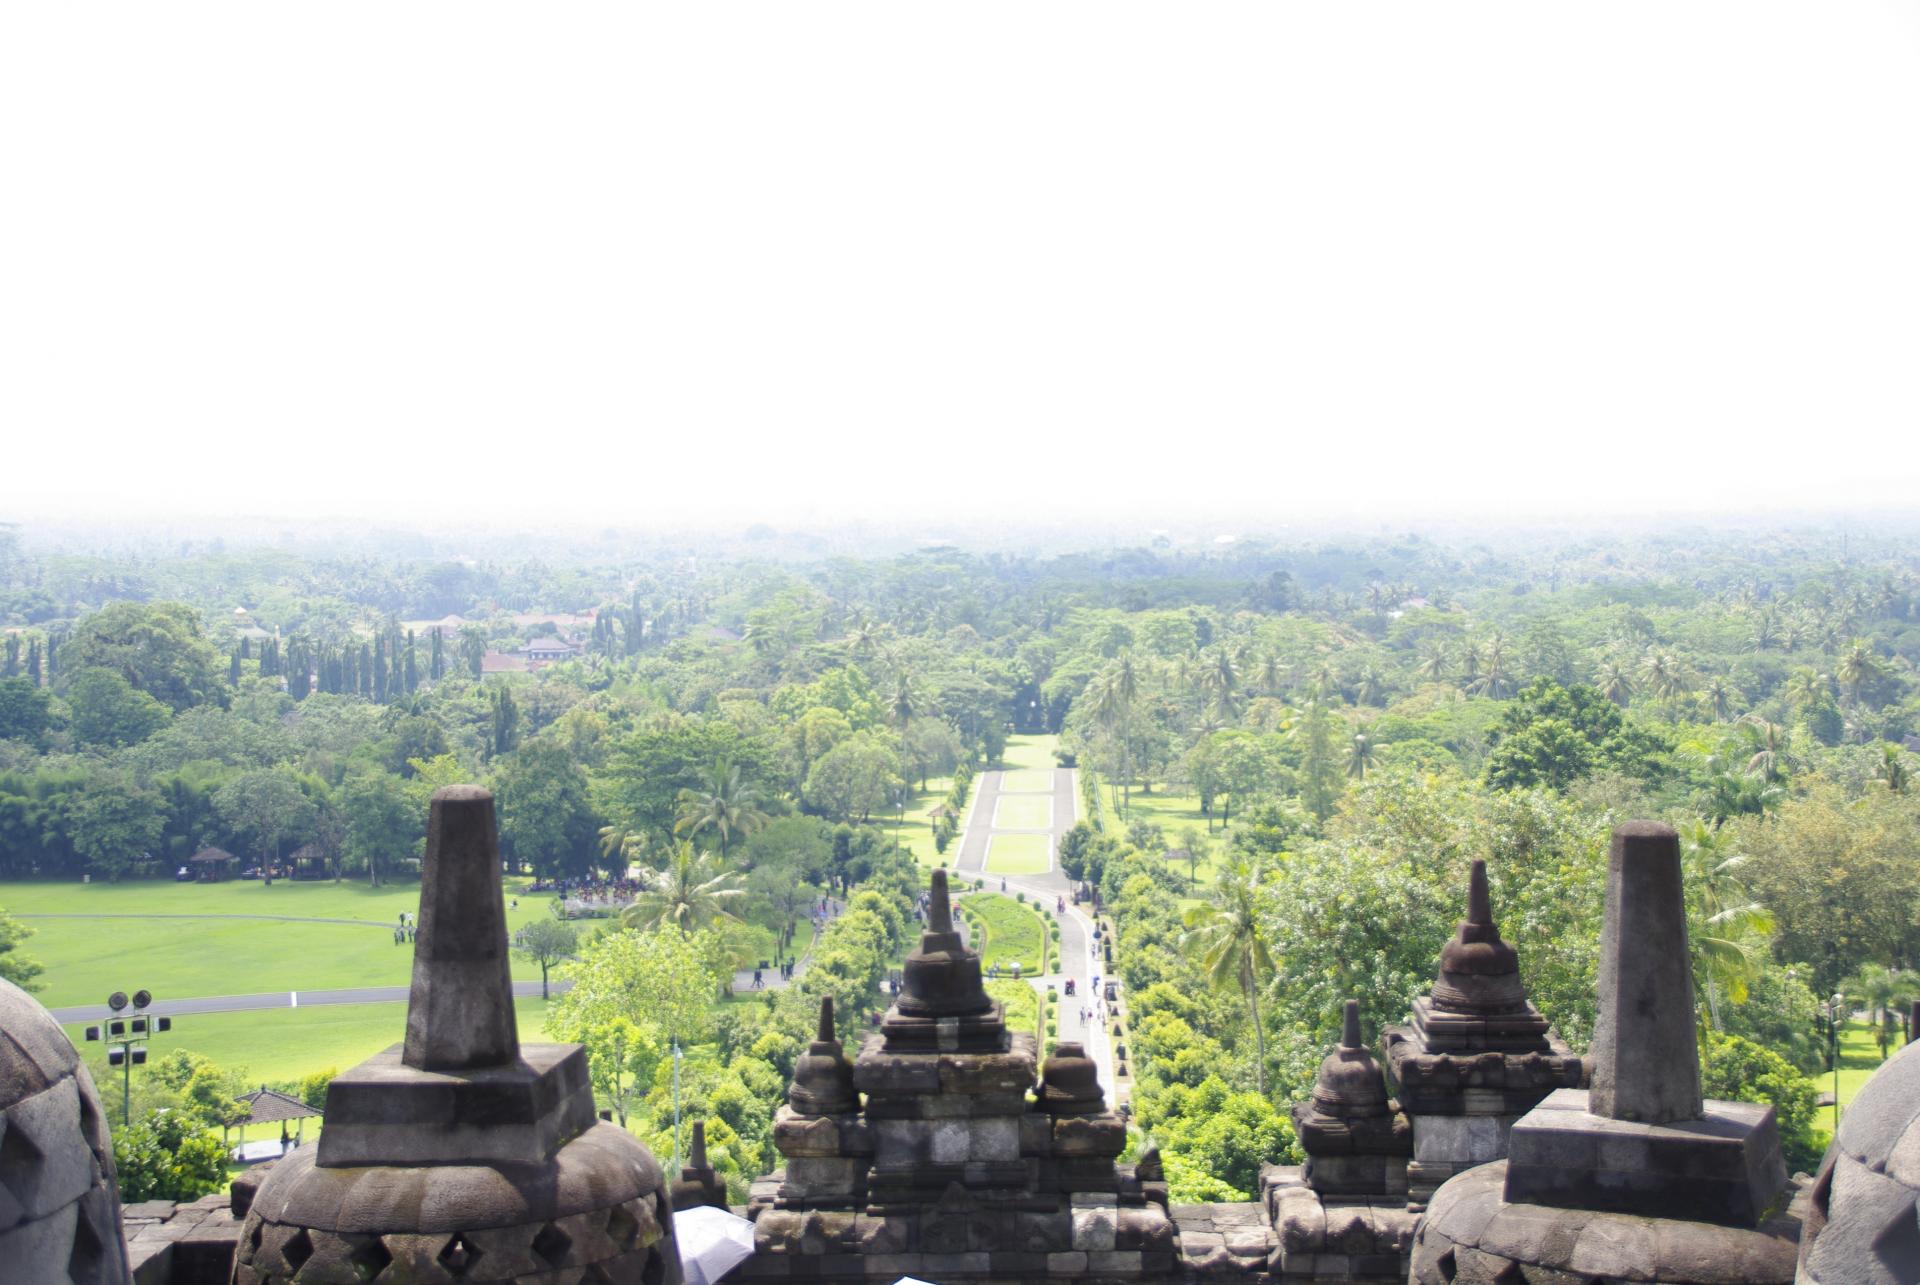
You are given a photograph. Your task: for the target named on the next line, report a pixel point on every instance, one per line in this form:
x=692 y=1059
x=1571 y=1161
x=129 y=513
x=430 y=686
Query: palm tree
x=1768 y=741
x=1858 y=668
x=1273 y=673
x=1893 y=768
x=1360 y=756
x=1434 y=661
x=1727 y=931
x=1494 y=679
x=1614 y=682
x=1468 y=659
x=1222 y=680
x=1718 y=694
x=692 y=891
x=1226 y=933
x=620 y=847
x=1881 y=990
x=1662 y=672
x=1805 y=688
x=1372 y=689
x=726 y=805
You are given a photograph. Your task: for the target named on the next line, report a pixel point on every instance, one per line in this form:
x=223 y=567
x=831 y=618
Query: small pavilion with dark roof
x=309 y=861
x=270 y=1106
x=210 y=865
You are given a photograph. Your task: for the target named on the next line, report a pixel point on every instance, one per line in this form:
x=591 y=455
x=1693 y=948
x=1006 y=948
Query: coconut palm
x=620 y=846
x=1768 y=743
x=1434 y=661
x=693 y=891
x=1881 y=991
x=1718 y=695
x=726 y=805
x=1272 y=673
x=1360 y=756
x=1805 y=688
x=1615 y=683
x=1495 y=678
x=1222 y=680
x=1895 y=768
x=1858 y=668
x=1372 y=689
x=1226 y=935
x=1727 y=931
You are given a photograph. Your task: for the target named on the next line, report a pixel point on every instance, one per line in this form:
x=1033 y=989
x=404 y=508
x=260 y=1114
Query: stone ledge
x=1471 y=1232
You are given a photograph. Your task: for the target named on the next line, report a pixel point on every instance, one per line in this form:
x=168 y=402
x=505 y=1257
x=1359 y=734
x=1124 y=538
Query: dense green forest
x=1289 y=756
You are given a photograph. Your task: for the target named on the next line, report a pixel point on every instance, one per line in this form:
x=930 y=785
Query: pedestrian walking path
x=1078 y=958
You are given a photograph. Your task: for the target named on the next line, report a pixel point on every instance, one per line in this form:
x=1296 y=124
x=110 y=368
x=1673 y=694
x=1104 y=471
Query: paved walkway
x=1076 y=958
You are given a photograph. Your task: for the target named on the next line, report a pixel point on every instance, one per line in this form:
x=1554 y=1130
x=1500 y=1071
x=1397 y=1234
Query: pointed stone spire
x=1646 y=1064
x=939 y=909
x=1350 y=1026
x=942 y=978
x=1479 y=905
x=697 y=1153
x=1478 y=1003
x=460 y=1010
x=822 y=1077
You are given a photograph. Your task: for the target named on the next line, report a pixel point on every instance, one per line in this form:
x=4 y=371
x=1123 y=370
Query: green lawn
x=1023 y=812
x=87 y=959
x=916 y=832
x=1027 y=782
x=1176 y=813
x=1030 y=752
x=1005 y=932
x=281 y=1044
x=1019 y=854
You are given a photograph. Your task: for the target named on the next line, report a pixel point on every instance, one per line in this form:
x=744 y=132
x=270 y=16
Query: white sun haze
x=658 y=264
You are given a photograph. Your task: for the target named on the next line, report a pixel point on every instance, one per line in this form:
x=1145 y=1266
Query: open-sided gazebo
x=210 y=865
x=268 y=1106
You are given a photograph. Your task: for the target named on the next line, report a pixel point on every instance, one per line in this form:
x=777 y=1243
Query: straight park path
x=1004 y=849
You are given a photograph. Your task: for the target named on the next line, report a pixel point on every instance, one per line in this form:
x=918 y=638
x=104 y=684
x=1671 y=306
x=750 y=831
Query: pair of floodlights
x=128 y=1035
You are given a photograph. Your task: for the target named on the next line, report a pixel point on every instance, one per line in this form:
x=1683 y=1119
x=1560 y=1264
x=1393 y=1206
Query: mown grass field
x=1027 y=781
x=1175 y=813
x=1023 y=812
x=1006 y=932
x=132 y=935
x=1021 y=1003
x=1019 y=854
x=281 y=1044
x=915 y=832
x=1032 y=752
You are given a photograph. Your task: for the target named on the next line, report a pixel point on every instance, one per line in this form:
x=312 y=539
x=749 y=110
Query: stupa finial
x=460 y=1009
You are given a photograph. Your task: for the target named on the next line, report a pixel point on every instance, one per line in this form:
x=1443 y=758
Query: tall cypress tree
x=413 y=667
x=379 y=669
x=53 y=671
x=12 y=664
x=233 y=669
x=33 y=661
x=366 y=671
x=436 y=659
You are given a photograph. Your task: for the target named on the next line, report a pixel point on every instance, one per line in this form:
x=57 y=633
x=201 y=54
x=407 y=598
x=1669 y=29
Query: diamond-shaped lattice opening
x=253 y=1240
x=370 y=1258
x=655 y=1272
x=297 y=1250
x=1510 y=1275
x=552 y=1245
x=621 y=1226
x=459 y=1256
x=598 y=1275
x=88 y=1254
x=1448 y=1265
x=20 y=1159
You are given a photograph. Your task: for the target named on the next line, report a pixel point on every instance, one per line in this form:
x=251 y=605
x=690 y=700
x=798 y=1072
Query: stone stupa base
x=1724 y=1167
x=1472 y=1235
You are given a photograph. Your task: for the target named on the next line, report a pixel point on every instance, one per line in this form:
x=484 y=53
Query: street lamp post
x=676 y=1107
x=1833 y=1051
x=126 y=1039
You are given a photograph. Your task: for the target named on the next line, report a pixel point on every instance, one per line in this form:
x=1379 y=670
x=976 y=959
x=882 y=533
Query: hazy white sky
x=646 y=263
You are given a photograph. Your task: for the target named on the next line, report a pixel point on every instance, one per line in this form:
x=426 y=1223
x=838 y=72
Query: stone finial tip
x=1479 y=905
x=462 y=794
x=825 y=1034
x=697 y=1153
x=939 y=908
x=1350 y=1031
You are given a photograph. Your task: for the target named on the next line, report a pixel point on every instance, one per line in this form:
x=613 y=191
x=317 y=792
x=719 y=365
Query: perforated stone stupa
x=59 y=1203
x=462 y=1155
x=936 y=1155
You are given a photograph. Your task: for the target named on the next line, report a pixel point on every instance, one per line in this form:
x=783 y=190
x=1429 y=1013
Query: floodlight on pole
x=126 y=1040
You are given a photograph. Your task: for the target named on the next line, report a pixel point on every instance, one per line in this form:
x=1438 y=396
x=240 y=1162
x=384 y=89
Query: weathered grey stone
x=460 y=1154
x=460 y=1010
x=59 y=1204
x=1646 y=1064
